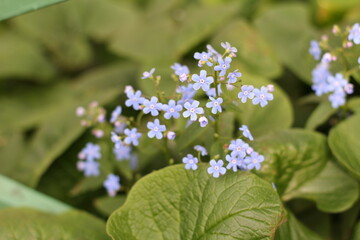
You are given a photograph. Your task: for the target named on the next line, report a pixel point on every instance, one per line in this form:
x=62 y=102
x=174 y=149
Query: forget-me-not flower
x=216 y=168
x=246 y=132
x=203 y=121
x=232 y=77
x=132 y=136
x=115 y=114
x=228 y=48
x=235 y=161
x=156 y=129
x=212 y=93
x=336 y=83
x=320 y=75
x=187 y=92
x=215 y=105
x=239 y=147
x=262 y=96
x=223 y=65
x=246 y=93
x=315 y=49
x=337 y=99
x=190 y=162
x=254 y=160
x=91 y=152
x=112 y=184
x=201 y=149
x=202 y=81
x=192 y=109
x=354 y=34
x=134 y=99
x=90 y=167
x=180 y=69
x=203 y=58
x=122 y=152
x=152 y=106
x=172 y=109
x=148 y=74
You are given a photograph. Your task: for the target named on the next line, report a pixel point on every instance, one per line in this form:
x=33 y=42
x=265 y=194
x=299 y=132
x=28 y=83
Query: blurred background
x=58 y=58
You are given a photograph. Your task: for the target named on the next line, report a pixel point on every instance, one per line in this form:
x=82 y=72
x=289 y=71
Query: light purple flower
x=115 y=114
x=172 y=109
x=262 y=96
x=190 y=162
x=112 y=184
x=203 y=121
x=246 y=93
x=215 y=105
x=234 y=161
x=148 y=74
x=223 y=65
x=228 y=48
x=246 y=132
x=180 y=69
x=192 y=109
x=201 y=149
x=132 y=136
x=254 y=160
x=122 y=151
x=134 y=99
x=315 y=49
x=354 y=34
x=91 y=152
x=232 y=77
x=216 y=168
x=203 y=58
x=238 y=147
x=152 y=106
x=202 y=81
x=156 y=130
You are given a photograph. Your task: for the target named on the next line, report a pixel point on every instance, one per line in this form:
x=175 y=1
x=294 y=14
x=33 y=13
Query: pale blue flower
x=180 y=69
x=233 y=76
x=215 y=105
x=203 y=58
x=132 y=136
x=246 y=132
x=156 y=130
x=315 y=49
x=190 y=162
x=112 y=184
x=148 y=74
x=320 y=75
x=246 y=93
x=122 y=151
x=235 y=161
x=354 y=34
x=171 y=135
x=152 y=106
x=172 y=109
x=187 y=92
x=192 y=109
x=212 y=93
x=90 y=167
x=336 y=83
x=223 y=65
x=134 y=99
x=202 y=81
x=216 y=168
x=337 y=99
x=239 y=147
x=254 y=160
x=115 y=114
x=201 y=149
x=228 y=48
x=262 y=96
x=91 y=152
x=203 y=121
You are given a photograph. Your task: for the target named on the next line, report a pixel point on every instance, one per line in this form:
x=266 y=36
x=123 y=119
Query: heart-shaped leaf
x=175 y=203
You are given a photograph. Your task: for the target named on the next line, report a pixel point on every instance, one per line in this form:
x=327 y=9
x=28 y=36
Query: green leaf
x=292 y=229
x=292 y=157
x=332 y=189
x=107 y=205
x=289 y=39
x=254 y=53
x=60 y=29
x=356 y=234
x=191 y=133
x=14 y=194
x=321 y=113
x=175 y=203
x=345 y=145
x=354 y=104
x=16 y=7
x=30 y=224
x=278 y=114
x=22 y=58
x=61 y=127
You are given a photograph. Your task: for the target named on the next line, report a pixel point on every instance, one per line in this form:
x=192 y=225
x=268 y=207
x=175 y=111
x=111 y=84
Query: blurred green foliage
x=57 y=58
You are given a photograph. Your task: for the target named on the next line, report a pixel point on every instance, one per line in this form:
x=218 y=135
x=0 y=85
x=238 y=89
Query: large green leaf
x=107 y=205
x=29 y=224
x=292 y=157
x=175 y=203
x=22 y=58
x=332 y=189
x=60 y=127
x=60 y=29
x=15 y=194
x=15 y=7
x=290 y=39
x=292 y=229
x=254 y=53
x=344 y=143
x=321 y=113
x=278 y=114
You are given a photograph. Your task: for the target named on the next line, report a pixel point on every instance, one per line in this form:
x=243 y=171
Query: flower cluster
x=239 y=155
x=324 y=82
x=199 y=99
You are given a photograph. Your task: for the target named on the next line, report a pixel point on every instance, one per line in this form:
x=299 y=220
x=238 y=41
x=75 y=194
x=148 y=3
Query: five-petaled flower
x=190 y=162
x=223 y=65
x=172 y=109
x=156 y=130
x=134 y=99
x=216 y=168
x=215 y=105
x=254 y=160
x=132 y=136
x=192 y=109
x=262 y=96
x=152 y=106
x=112 y=184
x=246 y=132
x=202 y=81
